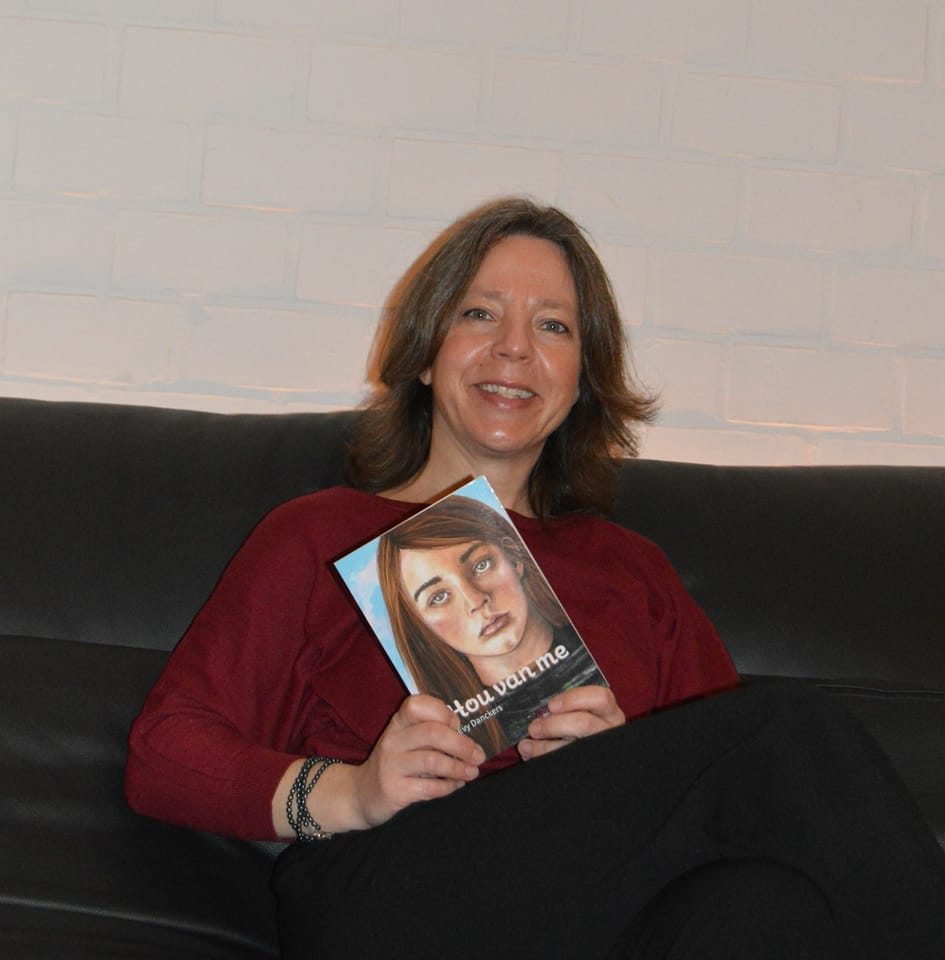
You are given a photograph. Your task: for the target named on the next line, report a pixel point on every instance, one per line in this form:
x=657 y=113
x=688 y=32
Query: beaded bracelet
x=300 y=820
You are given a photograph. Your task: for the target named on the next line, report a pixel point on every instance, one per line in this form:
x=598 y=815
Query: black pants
x=762 y=822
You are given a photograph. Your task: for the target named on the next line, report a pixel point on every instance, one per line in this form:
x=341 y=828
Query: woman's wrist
x=297 y=811
x=332 y=803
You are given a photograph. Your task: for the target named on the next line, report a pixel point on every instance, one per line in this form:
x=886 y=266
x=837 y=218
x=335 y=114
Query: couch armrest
x=73 y=856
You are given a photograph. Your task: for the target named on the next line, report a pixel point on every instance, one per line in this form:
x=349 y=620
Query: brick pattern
x=204 y=203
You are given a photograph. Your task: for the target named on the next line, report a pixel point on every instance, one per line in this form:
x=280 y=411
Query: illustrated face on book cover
x=471 y=597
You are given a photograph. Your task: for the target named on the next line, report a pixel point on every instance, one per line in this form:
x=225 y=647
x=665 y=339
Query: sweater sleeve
x=206 y=750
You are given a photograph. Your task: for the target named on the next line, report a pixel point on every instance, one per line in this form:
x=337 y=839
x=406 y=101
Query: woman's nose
x=513 y=339
x=474 y=599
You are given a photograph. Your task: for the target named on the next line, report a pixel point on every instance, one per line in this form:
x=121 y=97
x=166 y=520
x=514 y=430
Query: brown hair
x=436 y=667
x=578 y=466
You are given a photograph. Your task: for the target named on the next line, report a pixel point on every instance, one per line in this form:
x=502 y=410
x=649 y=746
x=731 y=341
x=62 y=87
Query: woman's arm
x=421 y=755
x=221 y=725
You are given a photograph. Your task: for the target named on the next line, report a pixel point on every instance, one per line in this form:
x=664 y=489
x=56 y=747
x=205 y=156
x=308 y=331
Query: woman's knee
x=734 y=909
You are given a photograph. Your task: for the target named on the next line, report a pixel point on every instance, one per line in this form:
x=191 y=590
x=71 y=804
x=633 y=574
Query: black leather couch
x=115 y=522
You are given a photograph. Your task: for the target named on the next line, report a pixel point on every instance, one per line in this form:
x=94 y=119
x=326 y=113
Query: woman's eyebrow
x=464 y=556
x=423 y=586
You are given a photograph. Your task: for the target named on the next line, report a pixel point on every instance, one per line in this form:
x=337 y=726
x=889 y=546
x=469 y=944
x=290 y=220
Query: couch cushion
x=74 y=859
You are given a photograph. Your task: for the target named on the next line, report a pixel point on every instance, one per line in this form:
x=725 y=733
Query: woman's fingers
x=576 y=713
x=599 y=701
x=420 y=755
x=423 y=722
x=420 y=707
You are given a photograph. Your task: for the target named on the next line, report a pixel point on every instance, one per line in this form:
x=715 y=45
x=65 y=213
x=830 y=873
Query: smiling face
x=470 y=595
x=508 y=370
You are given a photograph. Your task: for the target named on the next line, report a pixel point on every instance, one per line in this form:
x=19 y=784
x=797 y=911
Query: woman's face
x=509 y=368
x=470 y=595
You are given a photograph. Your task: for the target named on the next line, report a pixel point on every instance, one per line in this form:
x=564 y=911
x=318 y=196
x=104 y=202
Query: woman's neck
x=446 y=470
x=429 y=489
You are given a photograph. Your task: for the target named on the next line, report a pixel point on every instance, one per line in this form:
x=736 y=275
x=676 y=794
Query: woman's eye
x=477 y=313
x=482 y=566
x=555 y=326
x=439 y=598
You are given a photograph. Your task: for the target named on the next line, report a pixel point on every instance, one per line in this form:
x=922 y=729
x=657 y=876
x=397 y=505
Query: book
x=464 y=613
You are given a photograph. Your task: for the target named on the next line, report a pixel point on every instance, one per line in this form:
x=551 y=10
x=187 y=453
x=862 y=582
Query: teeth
x=511 y=393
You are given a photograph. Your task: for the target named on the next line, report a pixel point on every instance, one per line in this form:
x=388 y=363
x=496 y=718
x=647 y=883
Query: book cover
x=464 y=613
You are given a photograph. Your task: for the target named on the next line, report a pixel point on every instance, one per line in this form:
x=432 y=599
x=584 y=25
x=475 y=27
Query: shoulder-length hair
x=437 y=668
x=578 y=466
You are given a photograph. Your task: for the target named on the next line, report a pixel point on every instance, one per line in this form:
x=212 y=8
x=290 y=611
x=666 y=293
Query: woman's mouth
x=507 y=392
x=494 y=625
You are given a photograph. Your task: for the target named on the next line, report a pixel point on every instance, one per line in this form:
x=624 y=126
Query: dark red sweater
x=278 y=665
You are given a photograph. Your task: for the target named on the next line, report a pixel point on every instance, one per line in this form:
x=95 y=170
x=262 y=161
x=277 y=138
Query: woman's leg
x=736 y=910
x=558 y=856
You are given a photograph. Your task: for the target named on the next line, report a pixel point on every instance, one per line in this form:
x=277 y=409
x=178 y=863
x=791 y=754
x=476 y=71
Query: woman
x=473 y=616
x=757 y=822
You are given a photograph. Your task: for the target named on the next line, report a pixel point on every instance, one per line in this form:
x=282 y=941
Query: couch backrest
x=116 y=521
x=822 y=572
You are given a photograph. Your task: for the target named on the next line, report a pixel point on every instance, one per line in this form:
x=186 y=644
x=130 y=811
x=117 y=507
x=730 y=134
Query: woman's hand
x=576 y=713
x=420 y=755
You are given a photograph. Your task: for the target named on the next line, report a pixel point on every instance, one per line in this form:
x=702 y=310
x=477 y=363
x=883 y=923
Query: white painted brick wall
x=933 y=227
x=8 y=121
x=924 y=411
x=285 y=350
x=698 y=32
x=875 y=39
x=61 y=152
x=901 y=126
x=42 y=59
x=830 y=212
x=331 y=258
x=432 y=179
x=365 y=18
x=724 y=294
x=686 y=373
x=58 y=245
x=774 y=119
x=178 y=11
x=891 y=307
x=627 y=268
x=389 y=87
x=730 y=445
x=576 y=101
x=204 y=203
x=69 y=337
x=186 y=73
x=653 y=198
x=289 y=169
x=185 y=254
x=527 y=25
x=782 y=385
